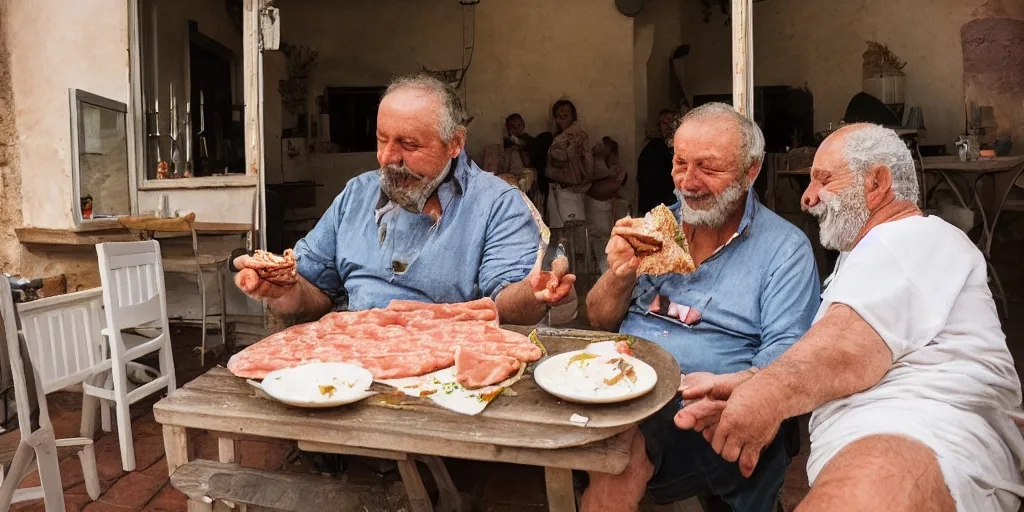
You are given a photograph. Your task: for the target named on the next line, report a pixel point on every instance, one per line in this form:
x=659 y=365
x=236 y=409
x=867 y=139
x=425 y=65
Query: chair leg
x=45 y=447
x=167 y=365
x=223 y=311
x=105 y=416
x=124 y=417
x=89 y=470
x=20 y=467
x=90 y=406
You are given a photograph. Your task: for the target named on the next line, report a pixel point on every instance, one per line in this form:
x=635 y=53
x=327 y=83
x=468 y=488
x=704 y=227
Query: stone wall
x=993 y=49
x=10 y=178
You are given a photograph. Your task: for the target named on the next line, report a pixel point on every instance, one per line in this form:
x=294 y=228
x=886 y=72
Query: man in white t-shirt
x=906 y=366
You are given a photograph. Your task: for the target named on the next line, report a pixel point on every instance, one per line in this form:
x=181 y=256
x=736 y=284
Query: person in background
x=516 y=145
x=599 y=203
x=654 y=167
x=570 y=166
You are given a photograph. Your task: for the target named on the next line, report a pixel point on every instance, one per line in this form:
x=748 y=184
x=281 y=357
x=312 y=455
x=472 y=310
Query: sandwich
x=659 y=244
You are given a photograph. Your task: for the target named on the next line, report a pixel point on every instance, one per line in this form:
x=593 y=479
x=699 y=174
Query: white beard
x=841 y=216
x=714 y=217
x=412 y=197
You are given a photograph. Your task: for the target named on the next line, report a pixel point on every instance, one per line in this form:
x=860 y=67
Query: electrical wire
x=468 y=47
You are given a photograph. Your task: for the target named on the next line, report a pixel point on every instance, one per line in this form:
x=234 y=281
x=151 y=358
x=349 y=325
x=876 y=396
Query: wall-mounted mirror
x=99 y=145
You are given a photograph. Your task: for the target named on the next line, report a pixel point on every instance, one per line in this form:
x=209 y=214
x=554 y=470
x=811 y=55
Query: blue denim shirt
x=485 y=239
x=756 y=296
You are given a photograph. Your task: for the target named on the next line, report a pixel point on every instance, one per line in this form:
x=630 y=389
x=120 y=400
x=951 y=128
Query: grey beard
x=412 y=197
x=714 y=217
x=841 y=216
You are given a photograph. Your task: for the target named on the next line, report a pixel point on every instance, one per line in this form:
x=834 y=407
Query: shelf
x=44 y=236
x=237 y=180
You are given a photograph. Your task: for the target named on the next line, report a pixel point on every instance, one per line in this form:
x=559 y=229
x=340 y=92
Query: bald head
x=434 y=98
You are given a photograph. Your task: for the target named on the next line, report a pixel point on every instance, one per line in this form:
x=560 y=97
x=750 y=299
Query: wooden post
x=743 y=57
x=252 y=67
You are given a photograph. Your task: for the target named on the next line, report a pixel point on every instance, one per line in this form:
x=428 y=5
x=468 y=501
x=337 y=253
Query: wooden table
x=1003 y=171
x=531 y=428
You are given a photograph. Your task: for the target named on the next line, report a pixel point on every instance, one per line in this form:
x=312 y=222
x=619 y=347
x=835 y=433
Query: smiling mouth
x=700 y=202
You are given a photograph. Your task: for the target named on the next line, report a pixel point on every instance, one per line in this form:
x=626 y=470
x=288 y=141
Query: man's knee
x=881 y=472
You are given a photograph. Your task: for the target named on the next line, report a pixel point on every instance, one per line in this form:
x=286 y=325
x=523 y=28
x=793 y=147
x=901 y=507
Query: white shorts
x=977 y=465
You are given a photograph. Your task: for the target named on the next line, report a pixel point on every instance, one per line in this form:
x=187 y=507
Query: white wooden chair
x=60 y=336
x=133 y=296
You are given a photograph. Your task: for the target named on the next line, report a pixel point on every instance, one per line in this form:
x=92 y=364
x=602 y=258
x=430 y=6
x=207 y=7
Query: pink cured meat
x=475 y=369
x=406 y=339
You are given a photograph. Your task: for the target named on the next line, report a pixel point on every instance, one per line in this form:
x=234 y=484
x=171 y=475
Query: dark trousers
x=686 y=466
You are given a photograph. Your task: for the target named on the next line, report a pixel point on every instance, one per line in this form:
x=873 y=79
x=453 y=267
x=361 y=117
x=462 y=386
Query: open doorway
x=217 y=133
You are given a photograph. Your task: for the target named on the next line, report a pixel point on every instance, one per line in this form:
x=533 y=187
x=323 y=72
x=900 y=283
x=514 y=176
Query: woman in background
x=570 y=167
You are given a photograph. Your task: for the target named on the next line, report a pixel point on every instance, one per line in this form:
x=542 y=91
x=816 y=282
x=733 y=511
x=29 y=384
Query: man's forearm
x=608 y=301
x=517 y=305
x=839 y=356
x=304 y=303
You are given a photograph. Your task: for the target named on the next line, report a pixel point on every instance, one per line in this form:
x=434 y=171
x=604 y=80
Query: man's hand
x=249 y=281
x=622 y=259
x=748 y=423
x=705 y=395
x=552 y=287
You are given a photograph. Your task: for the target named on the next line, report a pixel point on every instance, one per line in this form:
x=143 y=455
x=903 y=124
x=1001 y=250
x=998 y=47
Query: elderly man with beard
x=753 y=294
x=906 y=367
x=428 y=226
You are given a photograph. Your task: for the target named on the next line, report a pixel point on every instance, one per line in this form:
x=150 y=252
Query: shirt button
x=664 y=333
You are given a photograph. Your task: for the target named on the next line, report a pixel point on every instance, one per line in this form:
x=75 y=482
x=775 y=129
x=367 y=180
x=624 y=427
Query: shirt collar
x=749 y=210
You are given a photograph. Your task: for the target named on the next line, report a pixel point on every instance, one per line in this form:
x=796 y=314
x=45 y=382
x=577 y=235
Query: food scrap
x=576 y=419
x=327 y=390
x=581 y=358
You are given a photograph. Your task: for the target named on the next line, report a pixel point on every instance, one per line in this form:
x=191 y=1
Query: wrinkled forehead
x=718 y=136
x=830 y=157
x=409 y=109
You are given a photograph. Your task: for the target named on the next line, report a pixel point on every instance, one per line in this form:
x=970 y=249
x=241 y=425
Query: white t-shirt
x=923 y=286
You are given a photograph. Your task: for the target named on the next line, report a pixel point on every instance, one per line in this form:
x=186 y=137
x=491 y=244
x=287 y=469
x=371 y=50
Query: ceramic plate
x=319 y=384
x=592 y=376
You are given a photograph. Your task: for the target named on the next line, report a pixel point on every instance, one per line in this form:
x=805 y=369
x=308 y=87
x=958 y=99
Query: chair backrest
x=133 y=284
x=62 y=337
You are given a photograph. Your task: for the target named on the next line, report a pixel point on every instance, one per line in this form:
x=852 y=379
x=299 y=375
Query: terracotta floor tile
x=133 y=490
x=168 y=499
x=99 y=506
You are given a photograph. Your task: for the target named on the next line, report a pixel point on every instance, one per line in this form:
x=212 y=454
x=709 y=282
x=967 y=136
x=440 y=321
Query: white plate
x=301 y=386
x=553 y=376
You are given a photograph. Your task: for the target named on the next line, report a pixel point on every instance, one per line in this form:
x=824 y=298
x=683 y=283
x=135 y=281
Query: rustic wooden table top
x=511 y=428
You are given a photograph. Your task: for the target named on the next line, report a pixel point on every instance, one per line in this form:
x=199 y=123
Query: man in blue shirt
x=753 y=294
x=428 y=226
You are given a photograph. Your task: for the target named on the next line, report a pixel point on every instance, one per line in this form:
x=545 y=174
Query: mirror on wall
x=99 y=143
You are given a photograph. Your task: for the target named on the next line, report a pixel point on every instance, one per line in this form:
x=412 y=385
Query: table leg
x=448 y=496
x=228 y=451
x=179 y=451
x=561 y=496
x=419 y=500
